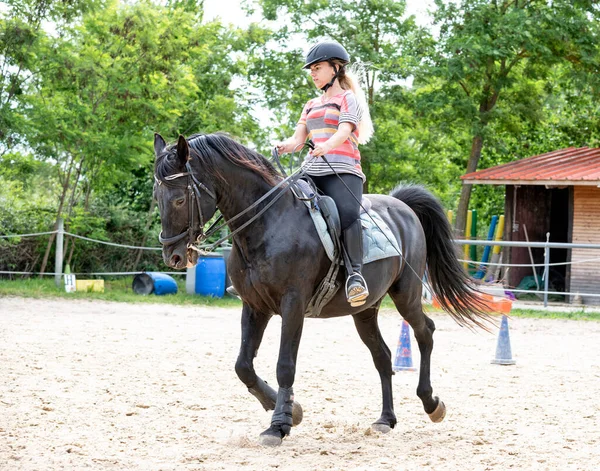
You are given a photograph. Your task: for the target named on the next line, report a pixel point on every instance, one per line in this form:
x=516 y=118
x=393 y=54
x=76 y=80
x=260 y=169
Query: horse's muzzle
x=180 y=257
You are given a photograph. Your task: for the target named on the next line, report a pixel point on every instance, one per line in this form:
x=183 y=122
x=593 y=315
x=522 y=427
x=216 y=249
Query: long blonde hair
x=348 y=78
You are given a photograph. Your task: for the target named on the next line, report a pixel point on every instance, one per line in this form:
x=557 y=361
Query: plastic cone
x=503 y=350
x=403 y=360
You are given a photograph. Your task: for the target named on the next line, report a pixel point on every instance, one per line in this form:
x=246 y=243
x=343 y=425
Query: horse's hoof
x=297 y=414
x=269 y=440
x=439 y=413
x=381 y=428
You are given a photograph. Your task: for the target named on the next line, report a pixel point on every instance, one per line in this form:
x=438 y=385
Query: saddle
x=378 y=240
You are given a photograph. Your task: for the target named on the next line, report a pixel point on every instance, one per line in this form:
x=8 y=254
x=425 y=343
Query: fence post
x=58 y=260
x=546 y=269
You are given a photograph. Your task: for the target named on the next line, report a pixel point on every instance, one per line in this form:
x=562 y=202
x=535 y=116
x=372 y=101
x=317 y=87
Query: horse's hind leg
x=368 y=330
x=408 y=303
x=253 y=327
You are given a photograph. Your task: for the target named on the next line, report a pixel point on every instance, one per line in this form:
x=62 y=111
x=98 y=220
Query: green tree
x=109 y=82
x=485 y=46
x=22 y=40
x=376 y=33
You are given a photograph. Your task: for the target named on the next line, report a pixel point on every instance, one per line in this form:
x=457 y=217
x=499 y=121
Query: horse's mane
x=208 y=148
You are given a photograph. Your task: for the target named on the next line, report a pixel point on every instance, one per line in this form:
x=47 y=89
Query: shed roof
x=571 y=166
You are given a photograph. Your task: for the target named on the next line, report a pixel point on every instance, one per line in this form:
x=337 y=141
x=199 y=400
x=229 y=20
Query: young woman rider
x=336 y=122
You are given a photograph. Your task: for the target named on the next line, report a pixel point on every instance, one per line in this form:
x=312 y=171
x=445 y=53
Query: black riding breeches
x=347 y=205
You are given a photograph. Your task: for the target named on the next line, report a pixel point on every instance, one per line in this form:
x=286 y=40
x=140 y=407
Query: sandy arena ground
x=99 y=385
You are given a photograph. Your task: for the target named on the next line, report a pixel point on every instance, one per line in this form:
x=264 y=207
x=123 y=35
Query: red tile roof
x=571 y=166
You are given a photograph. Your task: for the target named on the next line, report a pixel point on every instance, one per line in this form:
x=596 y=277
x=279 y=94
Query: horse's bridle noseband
x=194 y=186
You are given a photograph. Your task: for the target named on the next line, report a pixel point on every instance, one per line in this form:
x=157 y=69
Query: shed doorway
x=561 y=212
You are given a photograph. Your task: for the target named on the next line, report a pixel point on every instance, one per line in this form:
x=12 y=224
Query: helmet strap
x=330 y=84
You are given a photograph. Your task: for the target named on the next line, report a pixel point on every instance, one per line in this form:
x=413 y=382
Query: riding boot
x=356 y=286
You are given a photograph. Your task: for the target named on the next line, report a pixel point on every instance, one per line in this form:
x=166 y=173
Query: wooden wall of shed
x=525 y=207
x=586 y=230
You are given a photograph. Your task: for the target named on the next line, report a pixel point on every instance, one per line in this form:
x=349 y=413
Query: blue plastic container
x=211 y=275
x=154 y=282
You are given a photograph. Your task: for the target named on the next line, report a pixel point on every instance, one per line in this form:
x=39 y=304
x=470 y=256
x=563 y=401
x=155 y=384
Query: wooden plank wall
x=532 y=211
x=585 y=277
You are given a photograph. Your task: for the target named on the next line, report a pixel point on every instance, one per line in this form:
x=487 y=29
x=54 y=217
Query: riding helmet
x=326 y=51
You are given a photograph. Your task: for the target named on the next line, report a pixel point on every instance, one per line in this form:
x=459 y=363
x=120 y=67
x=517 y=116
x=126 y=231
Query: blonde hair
x=348 y=78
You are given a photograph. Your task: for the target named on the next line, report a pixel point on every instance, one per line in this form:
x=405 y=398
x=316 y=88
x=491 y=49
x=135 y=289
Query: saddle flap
x=331 y=215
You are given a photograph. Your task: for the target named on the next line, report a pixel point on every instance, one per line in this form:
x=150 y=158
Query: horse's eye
x=180 y=202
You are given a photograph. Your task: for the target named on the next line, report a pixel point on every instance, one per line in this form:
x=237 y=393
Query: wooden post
x=58 y=259
x=474 y=235
x=467 y=236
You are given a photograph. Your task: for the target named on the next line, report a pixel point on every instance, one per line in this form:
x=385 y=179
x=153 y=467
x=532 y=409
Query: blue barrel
x=210 y=275
x=154 y=282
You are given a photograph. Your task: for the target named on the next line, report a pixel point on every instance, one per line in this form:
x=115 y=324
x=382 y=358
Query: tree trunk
x=465 y=193
x=145 y=237
x=58 y=213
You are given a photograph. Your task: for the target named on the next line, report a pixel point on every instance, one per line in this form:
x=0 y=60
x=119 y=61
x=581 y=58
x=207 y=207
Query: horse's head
x=185 y=202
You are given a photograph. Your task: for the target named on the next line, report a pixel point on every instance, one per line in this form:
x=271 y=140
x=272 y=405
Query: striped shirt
x=322 y=117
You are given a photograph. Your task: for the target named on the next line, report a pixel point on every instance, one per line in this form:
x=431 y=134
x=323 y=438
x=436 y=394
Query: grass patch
x=575 y=315
x=118 y=290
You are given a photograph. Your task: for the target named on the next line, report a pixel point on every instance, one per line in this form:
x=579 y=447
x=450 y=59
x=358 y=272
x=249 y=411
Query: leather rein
x=194 y=187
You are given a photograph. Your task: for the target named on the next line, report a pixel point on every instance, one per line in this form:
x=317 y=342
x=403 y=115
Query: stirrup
x=358 y=293
x=233 y=292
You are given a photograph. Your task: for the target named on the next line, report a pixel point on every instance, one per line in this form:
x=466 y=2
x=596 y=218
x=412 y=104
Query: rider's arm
x=343 y=133
x=290 y=144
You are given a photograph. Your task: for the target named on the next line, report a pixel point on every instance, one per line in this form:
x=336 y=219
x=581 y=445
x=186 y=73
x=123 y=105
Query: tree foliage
x=488 y=50
x=86 y=83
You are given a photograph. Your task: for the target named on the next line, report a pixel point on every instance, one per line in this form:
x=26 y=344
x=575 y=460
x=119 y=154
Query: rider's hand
x=321 y=149
x=285 y=147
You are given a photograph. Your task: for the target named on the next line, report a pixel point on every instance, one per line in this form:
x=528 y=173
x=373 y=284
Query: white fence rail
x=547 y=246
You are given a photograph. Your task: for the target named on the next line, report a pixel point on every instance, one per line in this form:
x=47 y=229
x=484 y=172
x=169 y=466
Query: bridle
x=194 y=198
x=194 y=186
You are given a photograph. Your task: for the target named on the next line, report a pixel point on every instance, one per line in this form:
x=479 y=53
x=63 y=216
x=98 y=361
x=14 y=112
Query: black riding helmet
x=327 y=51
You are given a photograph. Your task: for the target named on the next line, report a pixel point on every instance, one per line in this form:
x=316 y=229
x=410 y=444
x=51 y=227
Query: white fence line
x=475 y=262
x=100 y=273
x=27 y=235
x=112 y=243
x=547 y=246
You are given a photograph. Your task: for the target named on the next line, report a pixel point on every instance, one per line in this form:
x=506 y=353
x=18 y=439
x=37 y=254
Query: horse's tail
x=449 y=281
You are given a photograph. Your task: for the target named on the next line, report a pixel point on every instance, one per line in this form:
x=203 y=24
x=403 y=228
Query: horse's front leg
x=292 y=316
x=368 y=330
x=253 y=327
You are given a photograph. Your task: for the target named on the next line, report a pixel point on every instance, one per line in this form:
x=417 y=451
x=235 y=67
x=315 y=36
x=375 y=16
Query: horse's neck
x=240 y=191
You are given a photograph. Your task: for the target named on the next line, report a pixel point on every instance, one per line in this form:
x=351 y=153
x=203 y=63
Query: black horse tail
x=450 y=283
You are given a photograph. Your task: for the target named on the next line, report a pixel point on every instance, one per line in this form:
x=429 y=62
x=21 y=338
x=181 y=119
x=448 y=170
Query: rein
x=194 y=186
x=291 y=179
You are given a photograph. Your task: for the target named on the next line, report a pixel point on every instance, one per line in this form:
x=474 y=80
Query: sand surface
x=99 y=385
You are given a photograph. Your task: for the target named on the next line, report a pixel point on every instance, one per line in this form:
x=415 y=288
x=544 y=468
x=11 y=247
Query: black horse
x=277 y=261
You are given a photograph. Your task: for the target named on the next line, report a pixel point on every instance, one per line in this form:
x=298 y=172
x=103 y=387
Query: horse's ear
x=183 y=150
x=159 y=144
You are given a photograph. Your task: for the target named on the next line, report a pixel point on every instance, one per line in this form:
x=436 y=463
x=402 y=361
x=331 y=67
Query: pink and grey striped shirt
x=322 y=117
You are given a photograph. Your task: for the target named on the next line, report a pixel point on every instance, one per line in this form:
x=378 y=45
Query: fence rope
x=27 y=235
x=476 y=263
x=111 y=243
x=125 y=273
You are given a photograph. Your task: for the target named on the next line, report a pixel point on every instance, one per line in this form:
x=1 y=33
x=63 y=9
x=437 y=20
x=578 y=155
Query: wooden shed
x=556 y=193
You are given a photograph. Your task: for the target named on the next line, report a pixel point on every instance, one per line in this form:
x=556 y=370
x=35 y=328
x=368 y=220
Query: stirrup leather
x=358 y=292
